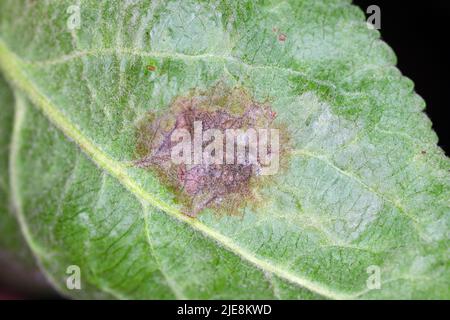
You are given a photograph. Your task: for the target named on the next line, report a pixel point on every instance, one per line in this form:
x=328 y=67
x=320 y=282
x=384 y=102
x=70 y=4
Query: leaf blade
x=323 y=109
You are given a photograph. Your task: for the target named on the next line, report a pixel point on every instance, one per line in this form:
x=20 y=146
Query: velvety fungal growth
x=226 y=184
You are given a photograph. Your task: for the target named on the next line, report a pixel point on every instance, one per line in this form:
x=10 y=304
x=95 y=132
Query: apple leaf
x=359 y=210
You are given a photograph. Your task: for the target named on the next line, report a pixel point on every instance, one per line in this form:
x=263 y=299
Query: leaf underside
x=366 y=184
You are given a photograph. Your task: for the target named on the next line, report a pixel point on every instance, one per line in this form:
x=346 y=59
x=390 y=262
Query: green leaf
x=11 y=240
x=17 y=265
x=365 y=184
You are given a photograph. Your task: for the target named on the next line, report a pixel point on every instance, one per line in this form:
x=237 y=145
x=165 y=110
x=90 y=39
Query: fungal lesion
x=225 y=185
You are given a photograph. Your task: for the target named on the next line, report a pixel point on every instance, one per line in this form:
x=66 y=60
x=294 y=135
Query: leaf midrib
x=10 y=63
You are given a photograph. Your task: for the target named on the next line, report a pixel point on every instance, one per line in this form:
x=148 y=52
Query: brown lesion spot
x=282 y=37
x=225 y=187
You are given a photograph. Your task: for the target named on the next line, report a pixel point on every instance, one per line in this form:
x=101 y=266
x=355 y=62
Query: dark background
x=418 y=31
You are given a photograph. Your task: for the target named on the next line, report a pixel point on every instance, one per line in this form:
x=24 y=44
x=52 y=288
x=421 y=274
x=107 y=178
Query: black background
x=418 y=31
x=168 y=309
